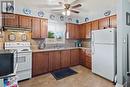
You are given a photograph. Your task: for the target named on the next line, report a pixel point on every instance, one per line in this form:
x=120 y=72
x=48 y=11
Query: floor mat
x=60 y=74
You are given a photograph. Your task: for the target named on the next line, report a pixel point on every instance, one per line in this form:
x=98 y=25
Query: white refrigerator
x=104 y=53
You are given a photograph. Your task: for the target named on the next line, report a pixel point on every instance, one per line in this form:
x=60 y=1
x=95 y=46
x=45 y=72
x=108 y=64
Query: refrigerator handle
x=93 y=48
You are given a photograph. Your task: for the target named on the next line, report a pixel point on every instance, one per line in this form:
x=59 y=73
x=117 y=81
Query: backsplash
x=35 y=43
x=17 y=35
x=86 y=43
x=68 y=43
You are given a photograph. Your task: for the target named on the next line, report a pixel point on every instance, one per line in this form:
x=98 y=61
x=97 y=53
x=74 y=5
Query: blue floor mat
x=60 y=74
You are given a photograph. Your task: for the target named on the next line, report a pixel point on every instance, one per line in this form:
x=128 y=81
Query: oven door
x=24 y=61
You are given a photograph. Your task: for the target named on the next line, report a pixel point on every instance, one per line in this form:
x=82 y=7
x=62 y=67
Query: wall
x=34 y=12
x=19 y=10
x=122 y=31
x=98 y=15
x=92 y=15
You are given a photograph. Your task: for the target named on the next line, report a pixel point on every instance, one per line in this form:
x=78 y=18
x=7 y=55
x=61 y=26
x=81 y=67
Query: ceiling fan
x=69 y=7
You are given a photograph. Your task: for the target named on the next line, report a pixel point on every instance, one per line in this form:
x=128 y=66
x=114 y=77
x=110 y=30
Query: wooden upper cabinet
x=10 y=20
x=39 y=28
x=113 y=21
x=36 y=29
x=82 y=31
x=40 y=63
x=74 y=57
x=65 y=58
x=88 y=30
x=76 y=35
x=44 y=28
x=104 y=23
x=54 y=60
x=85 y=30
x=25 y=21
x=72 y=31
x=95 y=25
x=69 y=31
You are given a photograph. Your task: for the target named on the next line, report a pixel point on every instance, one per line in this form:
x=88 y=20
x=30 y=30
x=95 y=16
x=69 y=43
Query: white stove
x=19 y=46
x=23 y=58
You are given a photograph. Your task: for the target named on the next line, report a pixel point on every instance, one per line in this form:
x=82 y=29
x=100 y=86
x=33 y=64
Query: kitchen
x=50 y=43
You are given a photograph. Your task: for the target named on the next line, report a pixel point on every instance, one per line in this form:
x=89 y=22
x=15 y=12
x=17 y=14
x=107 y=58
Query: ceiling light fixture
x=66 y=12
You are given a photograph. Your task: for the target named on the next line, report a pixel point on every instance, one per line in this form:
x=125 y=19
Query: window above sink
x=56 y=32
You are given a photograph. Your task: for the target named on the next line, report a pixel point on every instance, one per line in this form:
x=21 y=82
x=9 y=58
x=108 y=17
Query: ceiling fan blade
x=75 y=2
x=57 y=9
x=48 y=6
x=61 y=3
x=74 y=11
x=76 y=6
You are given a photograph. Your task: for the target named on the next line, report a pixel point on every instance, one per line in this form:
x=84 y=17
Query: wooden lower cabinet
x=88 y=63
x=74 y=59
x=40 y=63
x=44 y=62
x=82 y=57
x=85 y=59
x=65 y=58
x=54 y=60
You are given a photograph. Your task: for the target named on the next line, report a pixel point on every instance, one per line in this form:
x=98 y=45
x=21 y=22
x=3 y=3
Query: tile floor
x=84 y=78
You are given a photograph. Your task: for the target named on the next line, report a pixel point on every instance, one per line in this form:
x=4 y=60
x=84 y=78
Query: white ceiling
x=88 y=6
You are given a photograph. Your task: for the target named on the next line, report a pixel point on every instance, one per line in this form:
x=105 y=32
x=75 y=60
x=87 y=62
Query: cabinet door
x=36 y=29
x=44 y=28
x=82 y=57
x=10 y=20
x=40 y=63
x=74 y=57
x=25 y=21
x=88 y=62
x=72 y=31
x=82 y=31
x=104 y=23
x=88 y=30
x=65 y=58
x=68 y=31
x=95 y=25
x=54 y=61
x=113 y=21
x=76 y=31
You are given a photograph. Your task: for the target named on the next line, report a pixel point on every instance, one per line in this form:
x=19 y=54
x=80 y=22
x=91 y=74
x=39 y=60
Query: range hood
x=15 y=29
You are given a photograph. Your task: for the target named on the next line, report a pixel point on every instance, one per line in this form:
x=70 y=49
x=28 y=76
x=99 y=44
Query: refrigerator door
x=104 y=36
x=103 y=61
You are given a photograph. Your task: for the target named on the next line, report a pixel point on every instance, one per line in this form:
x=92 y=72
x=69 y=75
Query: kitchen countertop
x=59 y=49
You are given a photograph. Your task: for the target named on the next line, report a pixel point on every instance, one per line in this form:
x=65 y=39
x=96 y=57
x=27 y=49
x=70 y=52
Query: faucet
x=55 y=46
x=42 y=44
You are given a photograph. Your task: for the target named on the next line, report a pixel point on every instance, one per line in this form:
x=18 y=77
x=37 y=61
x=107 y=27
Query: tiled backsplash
x=18 y=35
x=68 y=43
x=35 y=43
